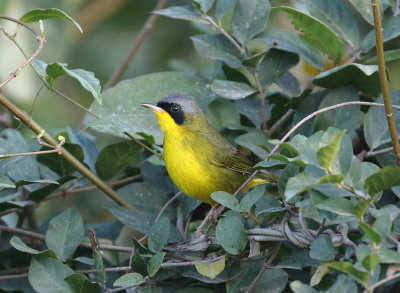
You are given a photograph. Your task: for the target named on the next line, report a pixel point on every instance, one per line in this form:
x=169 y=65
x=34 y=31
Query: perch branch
x=383 y=78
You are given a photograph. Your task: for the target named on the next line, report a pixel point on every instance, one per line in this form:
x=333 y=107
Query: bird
x=198 y=159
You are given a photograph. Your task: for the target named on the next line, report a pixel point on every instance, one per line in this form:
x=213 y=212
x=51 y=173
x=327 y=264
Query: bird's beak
x=152 y=107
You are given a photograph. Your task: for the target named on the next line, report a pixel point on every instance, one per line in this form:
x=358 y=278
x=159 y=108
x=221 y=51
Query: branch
x=383 y=78
x=265 y=265
x=222 y=31
x=117 y=74
x=24 y=117
x=41 y=237
x=380 y=152
x=381 y=282
x=41 y=41
x=45 y=83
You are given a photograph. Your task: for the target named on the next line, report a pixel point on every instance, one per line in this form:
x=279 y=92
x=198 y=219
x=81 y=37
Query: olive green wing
x=233 y=161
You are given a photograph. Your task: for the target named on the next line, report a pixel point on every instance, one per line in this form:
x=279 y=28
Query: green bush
x=298 y=87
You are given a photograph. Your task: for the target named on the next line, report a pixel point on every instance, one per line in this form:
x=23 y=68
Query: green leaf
x=316 y=33
x=221 y=114
x=337 y=205
x=304 y=181
x=283 y=40
x=80 y=283
x=272 y=281
x=217 y=47
x=158 y=235
x=370 y=233
x=370 y=262
x=358 y=173
x=249 y=18
x=46 y=275
x=390 y=31
x=131 y=279
x=364 y=8
x=139 y=264
x=184 y=12
x=40 y=193
x=17 y=168
x=389 y=55
x=231 y=90
x=35 y=15
x=19 y=245
x=65 y=233
x=210 y=269
x=155 y=263
x=337 y=16
x=386 y=178
x=250 y=198
x=322 y=248
x=227 y=200
x=114 y=158
x=231 y=235
x=142 y=219
x=100 y=274
x=299 y=287
x=274 y=64
x=344 y=284
x=298 y=184
x=348 y=268
x=256 y=141
x=58 y=163
x=388 y=256
x=364 y=77
x=327 y=154
x=121 y=111
x=361 y=208
x=5 y=183
x=376 y=129
x=205 y=5
x=86 y=78
x=344 y=117
x=268 y=204
x=383 y=224
x=223 y=7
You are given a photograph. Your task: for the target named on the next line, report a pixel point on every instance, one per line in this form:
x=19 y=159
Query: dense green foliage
x=331 y=223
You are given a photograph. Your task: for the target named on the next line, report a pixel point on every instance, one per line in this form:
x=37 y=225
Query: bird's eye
x=175 y=108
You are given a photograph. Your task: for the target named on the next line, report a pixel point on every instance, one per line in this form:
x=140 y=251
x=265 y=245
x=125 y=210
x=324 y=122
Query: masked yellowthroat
x=198 y=159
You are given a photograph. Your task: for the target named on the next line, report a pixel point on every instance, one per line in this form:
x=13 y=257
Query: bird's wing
x=233 y=161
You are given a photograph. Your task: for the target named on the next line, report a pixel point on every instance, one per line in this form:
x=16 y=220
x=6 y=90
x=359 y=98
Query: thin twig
x=381 y=282
x=160 y=213
x=261 y=96
x=39 y=38
x=56 y=149
x=265 y=266
x=41 y=237
x=45 y=83
x=89 y=188
x=117 y=74
x=24 y=117
x=13 y=277
x=383 y=79
x=380 y=152
x=280 y=122
x=226 y=35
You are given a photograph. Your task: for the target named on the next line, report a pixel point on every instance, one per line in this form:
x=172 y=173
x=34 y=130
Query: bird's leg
x=199 y=230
